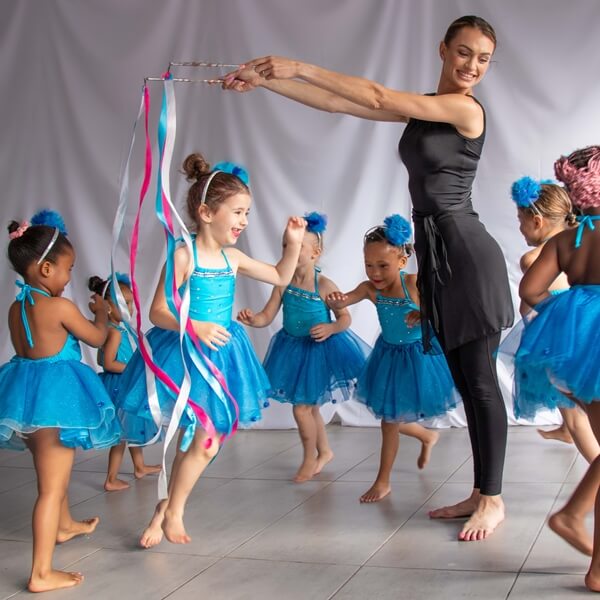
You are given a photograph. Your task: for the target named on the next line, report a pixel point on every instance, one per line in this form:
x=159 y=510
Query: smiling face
x=229 y=219
x=383 y=263
x=56 y=275
x=466 y=59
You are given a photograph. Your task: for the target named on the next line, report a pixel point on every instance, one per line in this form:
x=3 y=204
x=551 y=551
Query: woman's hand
x=336 y=299
x=245 y=79
x=294 y=231
x=413 y=318
x=211 y=334
x=321 y=332
x=246 y=316
x=275 y=67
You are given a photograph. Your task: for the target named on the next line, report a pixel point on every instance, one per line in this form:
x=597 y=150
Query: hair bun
x=195 y=167
x=96 y=284
x=13 y=226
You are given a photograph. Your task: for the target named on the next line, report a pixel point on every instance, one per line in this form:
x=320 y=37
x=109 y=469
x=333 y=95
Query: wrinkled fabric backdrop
x=72 y=75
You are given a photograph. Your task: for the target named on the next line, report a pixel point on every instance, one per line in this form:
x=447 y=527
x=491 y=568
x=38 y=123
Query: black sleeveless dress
x=462 y=278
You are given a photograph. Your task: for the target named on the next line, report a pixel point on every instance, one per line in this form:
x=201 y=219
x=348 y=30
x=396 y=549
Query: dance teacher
x=463 y=281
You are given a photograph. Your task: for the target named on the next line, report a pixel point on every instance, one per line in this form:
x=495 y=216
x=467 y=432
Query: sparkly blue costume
x=562 y=343
x=303 y=371
x=57 y=391
x=400 y=383
x=211 y=299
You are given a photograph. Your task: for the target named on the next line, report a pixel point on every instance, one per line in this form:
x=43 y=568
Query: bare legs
x=115 y=458
x=315 y=445
x=186 y=470
x=390 y=442
x=53 y=463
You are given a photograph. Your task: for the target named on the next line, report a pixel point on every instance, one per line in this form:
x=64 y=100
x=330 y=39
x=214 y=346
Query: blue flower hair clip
x=50 y=218
x=123 y=278
x=316 y=223
x=233 y=169
x=398 y=230
x=526 y=191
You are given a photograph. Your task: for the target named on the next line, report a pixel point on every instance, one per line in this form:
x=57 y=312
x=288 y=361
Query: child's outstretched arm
x=266 y=315
x=110 y=350
x=93 y=333
x=343 y=320
x=337 y=300
x=281 y=273
x=536 y=282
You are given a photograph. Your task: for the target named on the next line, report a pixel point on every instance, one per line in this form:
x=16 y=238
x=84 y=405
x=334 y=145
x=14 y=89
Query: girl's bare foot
x=174 y=529
x=153 y=534
x=460 y=510
x=76 y=528
x=146 y=470
x=306 y=471
x=54 y=580
x=488 y=515
x=560 y=433
x=572 y=530
x=115 y=485
x=322 y=460
x=426 y=448
x=592 y=580
x=378 y=491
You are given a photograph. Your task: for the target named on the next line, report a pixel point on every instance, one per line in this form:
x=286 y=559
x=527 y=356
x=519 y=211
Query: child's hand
x=98 y=304
x=211 y=334
x=321 y=332
x=294 y=231
x=246 y=316
x=413 y=318
x=336 y=299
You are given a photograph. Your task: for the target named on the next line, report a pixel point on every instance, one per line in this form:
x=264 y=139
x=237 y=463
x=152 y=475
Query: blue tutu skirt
x=532 y=388
x=244 y=375
x=66 y=394
x=561 y=345
x=400 y=383
x=303 y=371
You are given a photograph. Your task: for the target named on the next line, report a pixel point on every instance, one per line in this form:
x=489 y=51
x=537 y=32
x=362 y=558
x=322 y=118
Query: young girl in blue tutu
x=218 y=203
x=113 y=358
x=400 y=384
x=50 y=402
x=311 y=360
x=544 y=210
x=563 y=340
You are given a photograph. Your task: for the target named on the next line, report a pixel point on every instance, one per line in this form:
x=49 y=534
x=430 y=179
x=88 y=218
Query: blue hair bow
x=397 y=230
x=315 y=222
x=50 y=218
x=233 y=169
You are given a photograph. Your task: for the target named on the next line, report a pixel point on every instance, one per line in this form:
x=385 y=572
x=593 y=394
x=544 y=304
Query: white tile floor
x=257 y=535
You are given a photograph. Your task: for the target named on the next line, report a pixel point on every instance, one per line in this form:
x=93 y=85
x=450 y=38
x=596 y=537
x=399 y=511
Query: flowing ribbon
x=585 y=221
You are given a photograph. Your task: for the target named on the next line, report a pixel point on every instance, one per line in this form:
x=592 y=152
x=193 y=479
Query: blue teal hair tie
x=50 y=218
x=398 y=230
x=233 y=169
x=315 y=222
x=123 y=278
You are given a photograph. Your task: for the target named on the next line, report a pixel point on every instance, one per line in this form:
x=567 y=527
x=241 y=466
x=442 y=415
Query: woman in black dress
x=463 y=281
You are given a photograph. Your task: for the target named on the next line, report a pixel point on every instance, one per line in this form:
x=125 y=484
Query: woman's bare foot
x=378 y=491
x=76 y=528
x=460 y=510
x=426 y=448
x=115 y=485
x=153 y=534
x=306 y=471
x=174 y=529
x=572 y=530
x=146 y=470
x=322 y=460
x=592 y=580
x=54 y=580
x=488 y=515
x=560 y=433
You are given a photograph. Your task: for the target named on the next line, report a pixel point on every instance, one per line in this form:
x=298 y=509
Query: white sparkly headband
x=205 y=190
x=49 y=246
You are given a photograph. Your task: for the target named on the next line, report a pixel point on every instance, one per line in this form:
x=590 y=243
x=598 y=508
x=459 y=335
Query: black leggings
x=473 y=368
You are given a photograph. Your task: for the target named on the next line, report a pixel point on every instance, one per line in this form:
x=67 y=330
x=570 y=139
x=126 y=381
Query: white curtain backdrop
x=73 y=74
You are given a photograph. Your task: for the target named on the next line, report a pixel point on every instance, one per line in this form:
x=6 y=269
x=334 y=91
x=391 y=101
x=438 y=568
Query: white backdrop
x=73 y=71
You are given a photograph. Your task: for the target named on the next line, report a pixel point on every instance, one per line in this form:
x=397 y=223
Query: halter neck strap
x=23 y=297
x=585 y=221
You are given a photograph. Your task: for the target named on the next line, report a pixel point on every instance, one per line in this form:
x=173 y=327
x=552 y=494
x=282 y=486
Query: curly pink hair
x=580 y=172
